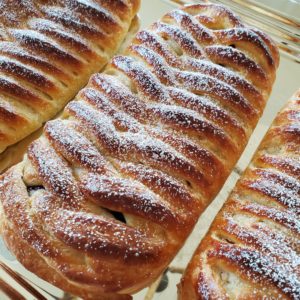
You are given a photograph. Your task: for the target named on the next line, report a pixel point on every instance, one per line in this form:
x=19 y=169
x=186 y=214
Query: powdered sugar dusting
x=141 y=151
x=50 y=47
x=257 y=230
x=55 y=173
x=256 y=266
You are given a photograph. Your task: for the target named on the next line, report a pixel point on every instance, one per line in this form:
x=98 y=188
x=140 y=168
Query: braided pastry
x=252 y=248
x=108 y=195
x=48 y=51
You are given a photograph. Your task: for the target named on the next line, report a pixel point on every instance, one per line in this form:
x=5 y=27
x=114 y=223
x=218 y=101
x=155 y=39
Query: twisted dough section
x=108 y=195
x=252 y=248
x=48 y=50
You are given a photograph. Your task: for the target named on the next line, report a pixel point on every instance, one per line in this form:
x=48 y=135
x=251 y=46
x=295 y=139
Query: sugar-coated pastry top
x=48 y=50
x=252 y=249
x=108 y=195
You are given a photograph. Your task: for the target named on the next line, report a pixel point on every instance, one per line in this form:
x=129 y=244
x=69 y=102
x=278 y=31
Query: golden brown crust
x=48 y=50
x=252 y=248
x=110 y=192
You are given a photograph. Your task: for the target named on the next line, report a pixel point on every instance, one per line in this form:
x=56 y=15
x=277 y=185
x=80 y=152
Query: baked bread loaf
x=251 y=251
x=108 y=195
x=48 y=51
